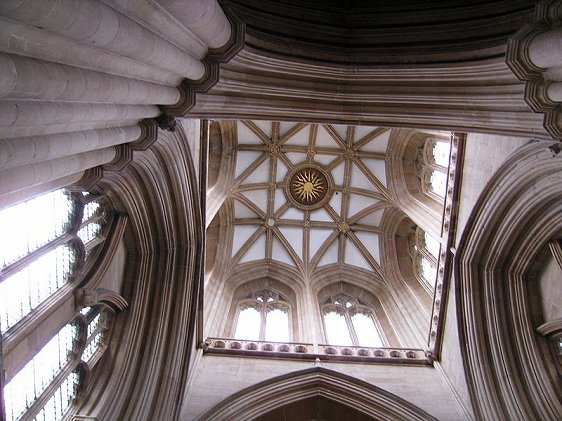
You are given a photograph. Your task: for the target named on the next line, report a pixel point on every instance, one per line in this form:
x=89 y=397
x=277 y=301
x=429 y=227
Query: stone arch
x=222 y=160
x=215 y=154
x=255 y=285
x=268 y=395
x=404 y=147
x=377 y=308
x=221 y=295
x=515 y=217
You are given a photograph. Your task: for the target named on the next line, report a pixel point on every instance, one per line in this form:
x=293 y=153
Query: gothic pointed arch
x=418 y=166
x=258 y=400
x=511 y=374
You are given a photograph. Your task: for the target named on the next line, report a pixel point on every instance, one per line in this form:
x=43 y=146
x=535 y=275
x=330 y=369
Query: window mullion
x=351 y=329
x=263 y=321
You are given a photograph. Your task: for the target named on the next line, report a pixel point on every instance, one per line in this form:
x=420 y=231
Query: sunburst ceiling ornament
x=308 y=186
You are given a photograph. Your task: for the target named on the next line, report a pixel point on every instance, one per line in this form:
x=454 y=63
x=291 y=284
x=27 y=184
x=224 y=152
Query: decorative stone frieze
x=311 y=352
x=447 y=233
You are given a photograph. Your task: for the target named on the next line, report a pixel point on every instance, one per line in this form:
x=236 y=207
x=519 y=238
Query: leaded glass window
x=32 y=380
x=349 y=321
x=263 y=315
x=46 y=243
x=432 y=165
x=424 y=252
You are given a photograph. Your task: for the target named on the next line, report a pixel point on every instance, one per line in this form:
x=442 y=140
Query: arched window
x=264 y=316
x=45 y=243
x=424 y=252
x=48 y=243
x=432 y=164
x=350 y=321
x=46 y=386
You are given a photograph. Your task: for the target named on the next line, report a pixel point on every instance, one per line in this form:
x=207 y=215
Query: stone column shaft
x=204 y=18
x=21 y=39
x=158 y=21
x=27 y=118
x=10 y=199
x=92 y=22
x=27 y=78
x=31 y=150
x=545 y=50
x=14 y=179
x=554 y=91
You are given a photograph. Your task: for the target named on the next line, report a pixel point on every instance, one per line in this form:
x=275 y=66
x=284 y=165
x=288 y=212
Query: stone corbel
x=100 y=296
x=534 y=55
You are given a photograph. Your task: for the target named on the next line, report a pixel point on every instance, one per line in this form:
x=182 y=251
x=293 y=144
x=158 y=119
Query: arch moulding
x=268 y=395
x=506 y=361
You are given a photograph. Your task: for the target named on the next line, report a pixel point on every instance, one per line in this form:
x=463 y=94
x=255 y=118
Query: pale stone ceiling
x=266 y=226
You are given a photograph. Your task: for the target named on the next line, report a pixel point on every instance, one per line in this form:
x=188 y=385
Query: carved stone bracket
x=527 y=56
x=101 y=296
x=167 y=122
x=189 y=88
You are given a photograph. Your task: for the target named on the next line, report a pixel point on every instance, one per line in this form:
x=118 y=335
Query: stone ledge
x=303 y=351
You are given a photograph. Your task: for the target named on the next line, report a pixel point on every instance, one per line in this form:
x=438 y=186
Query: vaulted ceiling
x=345 y=169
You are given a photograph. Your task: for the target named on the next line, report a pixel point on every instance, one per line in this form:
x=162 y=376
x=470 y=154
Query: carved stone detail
x=215 y=57
x=539 y=80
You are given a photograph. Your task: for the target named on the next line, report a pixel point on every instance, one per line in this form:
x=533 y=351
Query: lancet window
x=424 y=252
x=432 y=164
x=350 y=321
x=265 y=316
x=48 y=243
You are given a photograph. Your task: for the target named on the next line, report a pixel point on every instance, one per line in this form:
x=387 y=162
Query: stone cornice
x=380 y=34
x=300 y=351
x=448 y=230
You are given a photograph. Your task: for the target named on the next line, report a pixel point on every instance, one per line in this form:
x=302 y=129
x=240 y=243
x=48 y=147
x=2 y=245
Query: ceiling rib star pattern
x=344 y=230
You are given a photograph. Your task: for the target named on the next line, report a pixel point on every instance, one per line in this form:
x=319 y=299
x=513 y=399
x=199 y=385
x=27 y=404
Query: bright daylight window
x=424 y=252
x=31 y=381
x=45 y=244
x=349 y=321
x=264 y=315
x=432 y=165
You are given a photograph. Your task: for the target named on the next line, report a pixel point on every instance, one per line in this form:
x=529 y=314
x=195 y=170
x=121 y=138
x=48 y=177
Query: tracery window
x=46 y=386
x=47 y=245
x=432 y=164
x=263 y=315
x=45 y=242
x=350 y=321
x=424 y=252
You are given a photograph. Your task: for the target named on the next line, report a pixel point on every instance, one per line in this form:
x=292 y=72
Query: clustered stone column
x=534 y=54
x=77 y=78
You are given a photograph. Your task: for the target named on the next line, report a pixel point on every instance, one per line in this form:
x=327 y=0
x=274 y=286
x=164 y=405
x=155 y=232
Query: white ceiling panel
x=256 y=251
x=247 y=136
x=241 y=234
